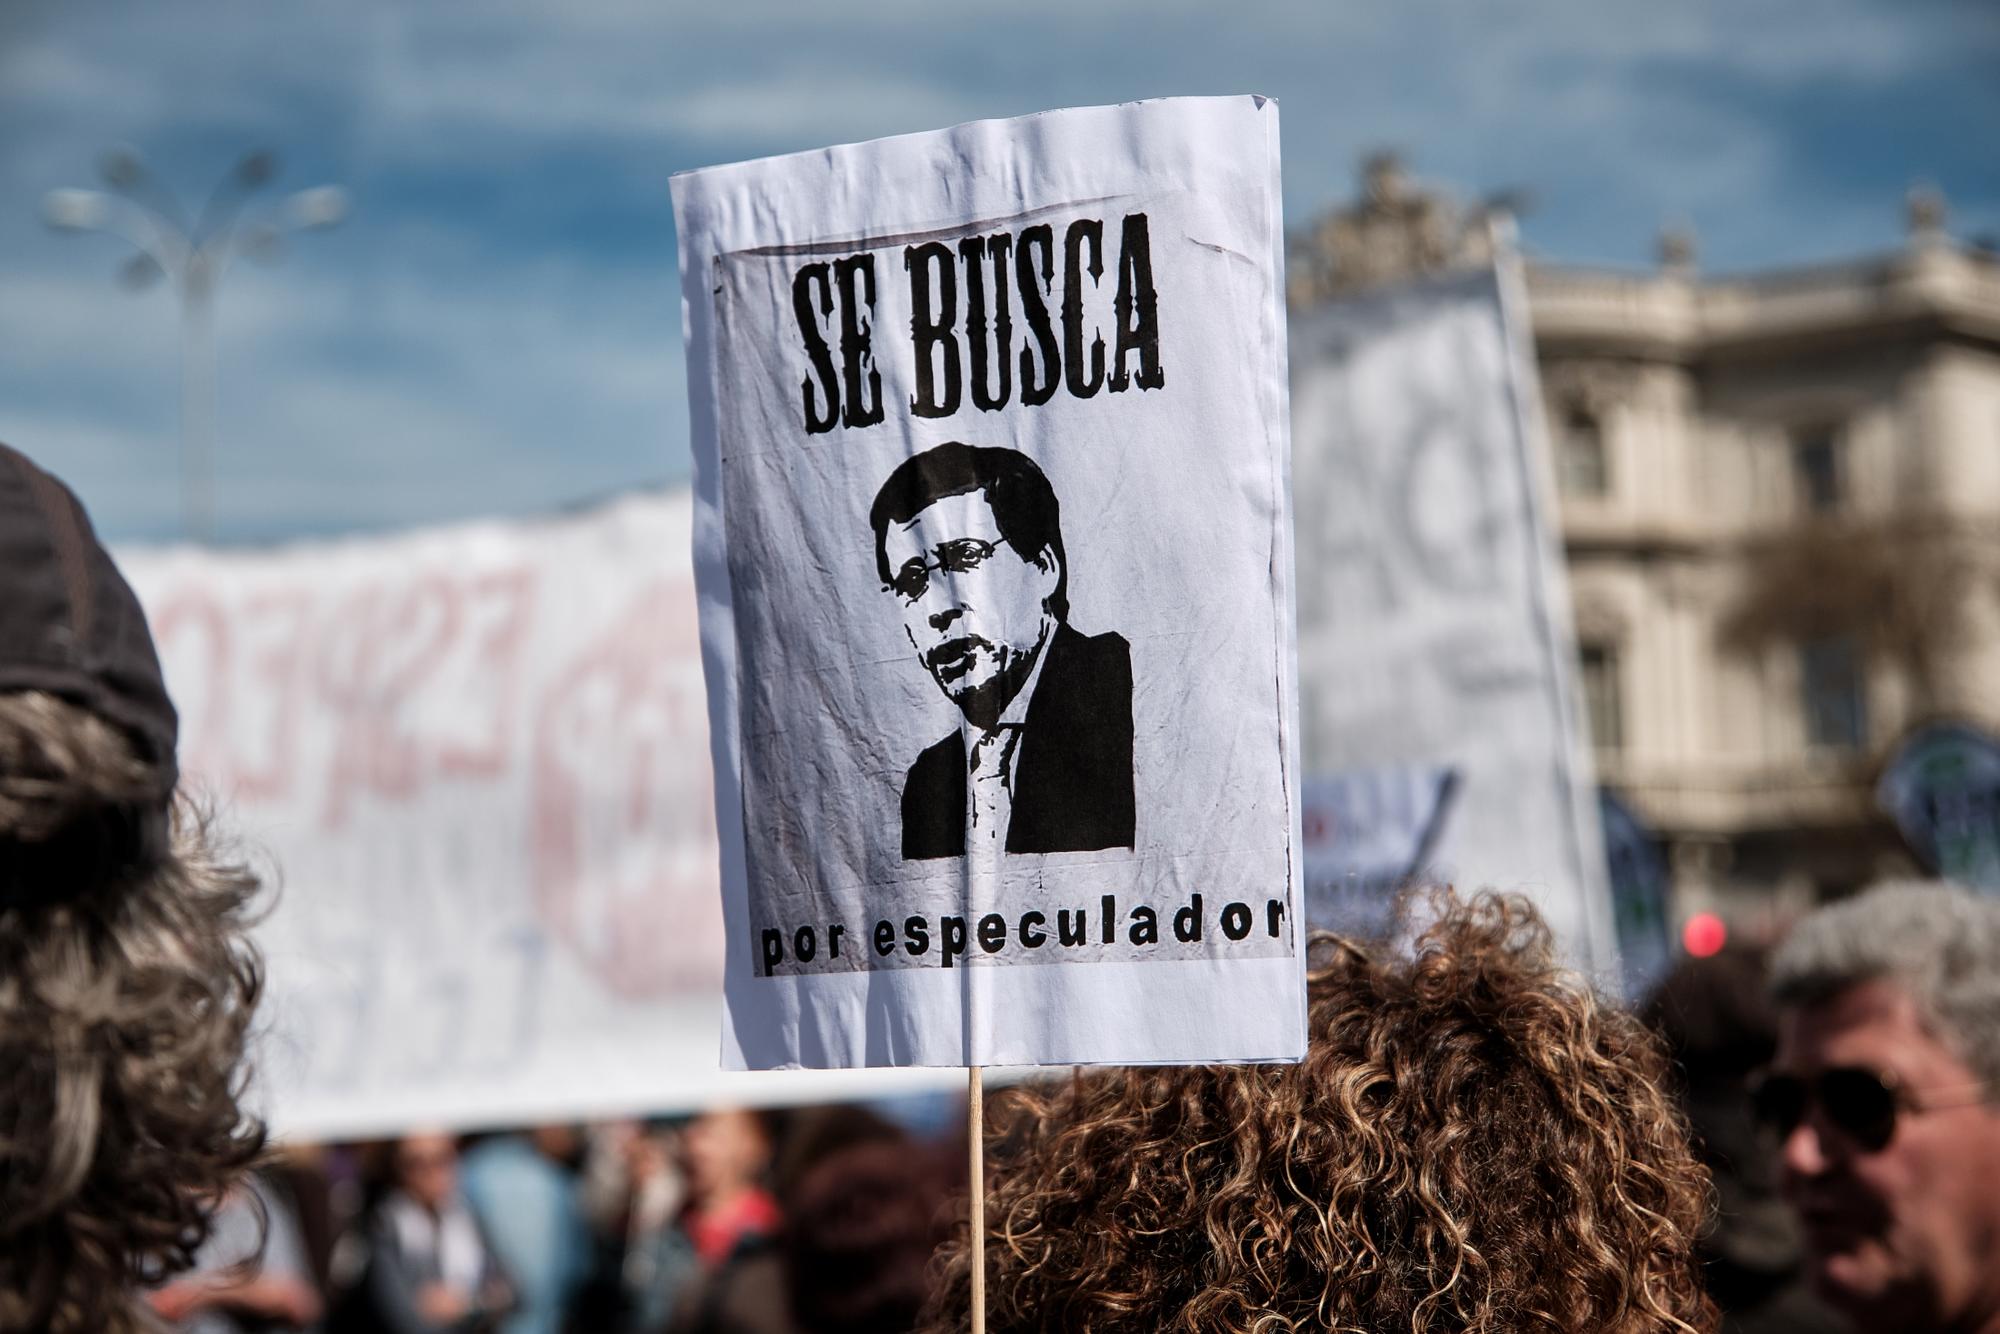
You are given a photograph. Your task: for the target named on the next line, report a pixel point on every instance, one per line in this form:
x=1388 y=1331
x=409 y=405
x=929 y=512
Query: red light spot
x=1704 y=935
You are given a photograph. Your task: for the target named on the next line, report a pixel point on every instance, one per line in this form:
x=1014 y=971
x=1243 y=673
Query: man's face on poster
x=975 y=610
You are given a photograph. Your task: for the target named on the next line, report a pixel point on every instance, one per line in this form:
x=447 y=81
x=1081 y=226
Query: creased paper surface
x=994 y=554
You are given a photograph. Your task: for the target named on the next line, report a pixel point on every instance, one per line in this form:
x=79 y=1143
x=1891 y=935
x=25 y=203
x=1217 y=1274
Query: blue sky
x=496 y=328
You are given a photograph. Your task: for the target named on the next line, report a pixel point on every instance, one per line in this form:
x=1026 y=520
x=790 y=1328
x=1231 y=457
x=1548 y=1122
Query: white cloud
x=414 y=395
x=456 y=360
x=127 y=476
x=50 y=324
x=654 y=78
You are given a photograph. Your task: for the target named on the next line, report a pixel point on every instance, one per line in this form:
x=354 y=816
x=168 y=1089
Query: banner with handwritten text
x=473 y=761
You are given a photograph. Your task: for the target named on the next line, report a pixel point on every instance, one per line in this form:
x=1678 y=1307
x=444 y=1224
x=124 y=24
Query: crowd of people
x=821 y=1220
x=1476 y=1139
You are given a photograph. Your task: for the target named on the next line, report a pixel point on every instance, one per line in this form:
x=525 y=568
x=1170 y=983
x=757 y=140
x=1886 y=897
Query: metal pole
x=146 y=213
x=197 y=404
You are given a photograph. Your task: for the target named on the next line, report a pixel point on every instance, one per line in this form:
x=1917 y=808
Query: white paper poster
x=1433 y=614
x=474 y=760
x=992 y=535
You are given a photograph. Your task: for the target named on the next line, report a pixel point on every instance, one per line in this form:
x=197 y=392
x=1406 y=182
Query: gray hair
x=1936 y=941
x=128 y=984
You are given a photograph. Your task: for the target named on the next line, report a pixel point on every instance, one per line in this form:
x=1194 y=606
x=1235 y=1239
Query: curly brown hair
x=126 y=991
x=1473 y=1142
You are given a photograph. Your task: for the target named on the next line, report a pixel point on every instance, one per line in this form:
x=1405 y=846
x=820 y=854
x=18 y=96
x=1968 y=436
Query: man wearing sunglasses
x=1881 y=1099
x=968 y=541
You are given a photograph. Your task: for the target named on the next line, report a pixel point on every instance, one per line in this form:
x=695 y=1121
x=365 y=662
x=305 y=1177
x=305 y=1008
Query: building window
x=1581 y=468
x=1603 y=702
x=1816 y=468
x=1833 y=688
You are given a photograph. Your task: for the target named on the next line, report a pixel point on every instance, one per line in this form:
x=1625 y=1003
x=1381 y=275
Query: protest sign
x=474 y=762
x=1369 y=833
x=992 y=535
x=1942 y=788
x=1640 y=889
x=1433 y=617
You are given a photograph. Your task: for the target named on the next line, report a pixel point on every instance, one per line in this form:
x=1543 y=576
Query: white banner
x=475 y=759
x=993 y=542
x=1433 y=614
x=1368 y=833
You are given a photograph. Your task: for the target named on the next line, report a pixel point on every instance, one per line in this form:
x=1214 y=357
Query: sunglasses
x=1862 y=1104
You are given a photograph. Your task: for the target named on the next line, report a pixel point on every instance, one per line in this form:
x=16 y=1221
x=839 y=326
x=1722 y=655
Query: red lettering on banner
x=344 y=655
x=277 y=624
x=396 y=667
x=507 y=600
x=233 y=672
x=623 y=843
x=415 y=681
x=187 y=624
x=375 y=652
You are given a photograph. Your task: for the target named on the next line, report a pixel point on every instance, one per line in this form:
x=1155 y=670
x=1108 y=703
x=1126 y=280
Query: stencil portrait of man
x=968 y=540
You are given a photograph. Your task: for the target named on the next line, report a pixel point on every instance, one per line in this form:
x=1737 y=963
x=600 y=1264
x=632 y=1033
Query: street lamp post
x=193 y=250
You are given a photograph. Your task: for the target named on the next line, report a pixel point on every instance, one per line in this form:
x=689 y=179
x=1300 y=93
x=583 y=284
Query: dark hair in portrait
x=1022 y=501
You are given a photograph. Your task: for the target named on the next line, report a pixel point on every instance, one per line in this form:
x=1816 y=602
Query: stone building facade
x=1780 y=502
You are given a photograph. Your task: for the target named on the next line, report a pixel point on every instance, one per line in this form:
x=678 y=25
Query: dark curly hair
x=1473 y=1143
x=126 y=991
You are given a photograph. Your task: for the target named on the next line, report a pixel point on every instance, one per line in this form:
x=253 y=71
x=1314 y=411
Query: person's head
x=559 y=1142
x=1715 y=1014
x=426 y=1166
x=968 y=540
x=816 y=1133
x=861 y=1224
x=127 y=981
x=1882 y=1094
x=1473 y=1142
x=724 y=1152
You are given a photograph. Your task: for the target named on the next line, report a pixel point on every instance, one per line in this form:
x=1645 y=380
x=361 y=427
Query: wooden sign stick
x=975 y=1105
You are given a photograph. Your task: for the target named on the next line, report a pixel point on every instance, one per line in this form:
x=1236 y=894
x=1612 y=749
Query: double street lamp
x=193 y=250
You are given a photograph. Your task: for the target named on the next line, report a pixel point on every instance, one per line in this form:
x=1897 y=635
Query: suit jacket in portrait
x=1073 y=781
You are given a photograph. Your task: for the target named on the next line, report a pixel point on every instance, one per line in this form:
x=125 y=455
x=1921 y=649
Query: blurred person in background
x=430 y=1266
x=656 y=1262
x=1719 y=1025
x=360 y=1175
x=731 y=1221
x=525 y=1192
x=1882 y=1097
x=127 y=980
x=252 y=1274
x=1474 y=1142
x=813 y=1133
x=863 y=1216
x=605 y=1175
x=304 y=1174
x=610 y=1183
